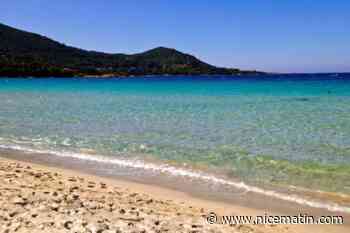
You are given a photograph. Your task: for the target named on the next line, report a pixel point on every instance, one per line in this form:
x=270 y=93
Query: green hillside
x=29 y=54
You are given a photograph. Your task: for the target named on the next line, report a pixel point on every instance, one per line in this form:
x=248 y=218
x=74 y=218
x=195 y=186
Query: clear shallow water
x=281 y=130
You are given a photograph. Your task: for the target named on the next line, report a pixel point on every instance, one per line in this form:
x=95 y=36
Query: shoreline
x=197 y=183
x=120 y=76
x=186 y=199
x=175 y=204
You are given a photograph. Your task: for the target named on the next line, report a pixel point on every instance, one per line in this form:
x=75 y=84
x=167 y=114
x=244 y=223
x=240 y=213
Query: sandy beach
x=37 y=198
x=174 y=117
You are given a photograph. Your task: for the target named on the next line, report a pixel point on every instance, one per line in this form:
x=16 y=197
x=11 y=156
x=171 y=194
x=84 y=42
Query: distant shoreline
x=102 y=76
x=116 y=75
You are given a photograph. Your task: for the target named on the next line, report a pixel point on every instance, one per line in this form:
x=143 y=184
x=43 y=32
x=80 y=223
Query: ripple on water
x=286 y=132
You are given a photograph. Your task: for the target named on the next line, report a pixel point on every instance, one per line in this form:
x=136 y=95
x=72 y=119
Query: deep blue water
x=277 y=129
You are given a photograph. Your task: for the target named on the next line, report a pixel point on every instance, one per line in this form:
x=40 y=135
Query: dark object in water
x=304 y=99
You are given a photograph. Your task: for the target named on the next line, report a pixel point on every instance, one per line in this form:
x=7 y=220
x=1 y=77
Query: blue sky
x=269 y=35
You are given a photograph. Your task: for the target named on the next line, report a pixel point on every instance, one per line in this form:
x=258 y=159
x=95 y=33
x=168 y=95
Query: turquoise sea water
x=281 y=130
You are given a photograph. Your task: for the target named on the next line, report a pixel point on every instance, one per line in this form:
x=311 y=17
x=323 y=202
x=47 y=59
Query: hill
x=28 y=54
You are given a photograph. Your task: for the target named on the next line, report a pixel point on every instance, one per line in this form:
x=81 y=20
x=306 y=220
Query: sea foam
x=187 y=173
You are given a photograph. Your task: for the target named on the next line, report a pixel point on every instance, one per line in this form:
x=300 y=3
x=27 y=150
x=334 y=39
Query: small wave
x=180 y=172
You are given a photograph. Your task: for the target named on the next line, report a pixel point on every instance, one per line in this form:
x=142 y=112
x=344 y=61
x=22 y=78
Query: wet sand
x=37 y=198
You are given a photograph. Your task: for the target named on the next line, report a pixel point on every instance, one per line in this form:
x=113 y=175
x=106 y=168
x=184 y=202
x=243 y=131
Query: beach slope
x=37 y=198
x=34 y=198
